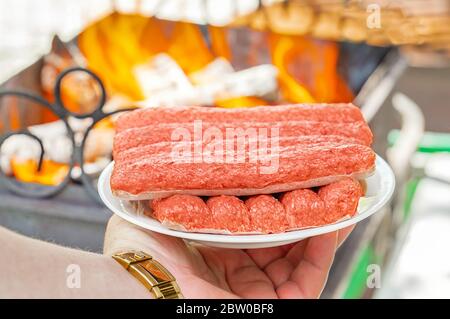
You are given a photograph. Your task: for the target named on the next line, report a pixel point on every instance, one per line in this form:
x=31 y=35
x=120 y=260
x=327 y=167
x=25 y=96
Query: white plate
x=380 y=187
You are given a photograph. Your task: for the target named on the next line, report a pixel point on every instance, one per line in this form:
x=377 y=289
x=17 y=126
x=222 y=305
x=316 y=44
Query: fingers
x=264 y=256
x=279 y=271
x=251 y=282
x=343 y=234
x=278 y=263
x=310 y=274
x=243 y=276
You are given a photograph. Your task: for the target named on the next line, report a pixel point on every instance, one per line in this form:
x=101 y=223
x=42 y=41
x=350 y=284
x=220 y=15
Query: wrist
x=122 y=282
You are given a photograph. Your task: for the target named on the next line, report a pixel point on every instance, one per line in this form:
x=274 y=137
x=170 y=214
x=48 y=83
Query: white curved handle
x=413 y=126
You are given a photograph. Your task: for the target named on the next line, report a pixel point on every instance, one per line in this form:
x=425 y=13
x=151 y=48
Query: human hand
x=298 y=270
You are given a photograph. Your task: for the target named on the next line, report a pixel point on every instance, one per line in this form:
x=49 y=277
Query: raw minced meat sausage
x=317 y=145
x=189 y=211
x=298 y=164
x=340 y=198
x=147 y=135
x=261 y=213
x=304 y=208
x=267 y=215
x=229 y=211
x=340 y=113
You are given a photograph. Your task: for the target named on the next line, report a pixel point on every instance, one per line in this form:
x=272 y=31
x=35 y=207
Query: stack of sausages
x=302 y=172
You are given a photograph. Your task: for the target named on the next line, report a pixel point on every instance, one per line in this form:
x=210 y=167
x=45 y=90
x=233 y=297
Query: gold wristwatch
x=150 y=273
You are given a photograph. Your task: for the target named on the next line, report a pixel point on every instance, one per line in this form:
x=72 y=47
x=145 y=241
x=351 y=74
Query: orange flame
x=51 y=173
x=188 y=47
x=114 y=45
x=308 y=69
x=247 y=101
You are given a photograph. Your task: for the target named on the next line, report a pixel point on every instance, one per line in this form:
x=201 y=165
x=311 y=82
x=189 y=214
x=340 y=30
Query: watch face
x=159 y=273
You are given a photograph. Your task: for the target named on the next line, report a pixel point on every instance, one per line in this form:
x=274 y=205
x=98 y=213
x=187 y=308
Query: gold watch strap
x=154 y=276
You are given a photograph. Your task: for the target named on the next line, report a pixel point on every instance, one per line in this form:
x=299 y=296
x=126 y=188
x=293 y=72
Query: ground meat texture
x=318 y=144
x=341 y=199
x=267 y=215
x=162 y=151
x=304 y=208
x=141 y=136
x=342 y=113
x=298 y=165
x=229 y=213
x=189 y=211
x=263 y=213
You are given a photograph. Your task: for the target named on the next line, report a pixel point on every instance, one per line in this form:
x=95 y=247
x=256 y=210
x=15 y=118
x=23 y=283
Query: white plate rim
x=387 y=186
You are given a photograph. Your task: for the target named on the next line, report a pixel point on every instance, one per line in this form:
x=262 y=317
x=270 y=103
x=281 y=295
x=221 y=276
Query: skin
x=298 y=270
x=32 y=268
x=37 y=269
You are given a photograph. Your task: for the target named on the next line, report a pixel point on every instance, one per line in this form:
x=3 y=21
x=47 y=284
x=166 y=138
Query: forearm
x=34 y=269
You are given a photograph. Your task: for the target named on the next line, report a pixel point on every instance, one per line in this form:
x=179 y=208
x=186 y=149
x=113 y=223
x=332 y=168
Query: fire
x=308 y=69
x=188 y=48
x=112 y=46
x=292 y=90
x=51 y=173
x=115 y=45
x=249 y=101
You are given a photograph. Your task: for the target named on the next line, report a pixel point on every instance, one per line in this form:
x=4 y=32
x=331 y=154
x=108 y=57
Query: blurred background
x=391 y=58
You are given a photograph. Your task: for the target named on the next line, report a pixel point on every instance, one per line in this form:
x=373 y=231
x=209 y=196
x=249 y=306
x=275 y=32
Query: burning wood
x=161 y=74
x=212 y=72
x=164 y=83
x=183 y=69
